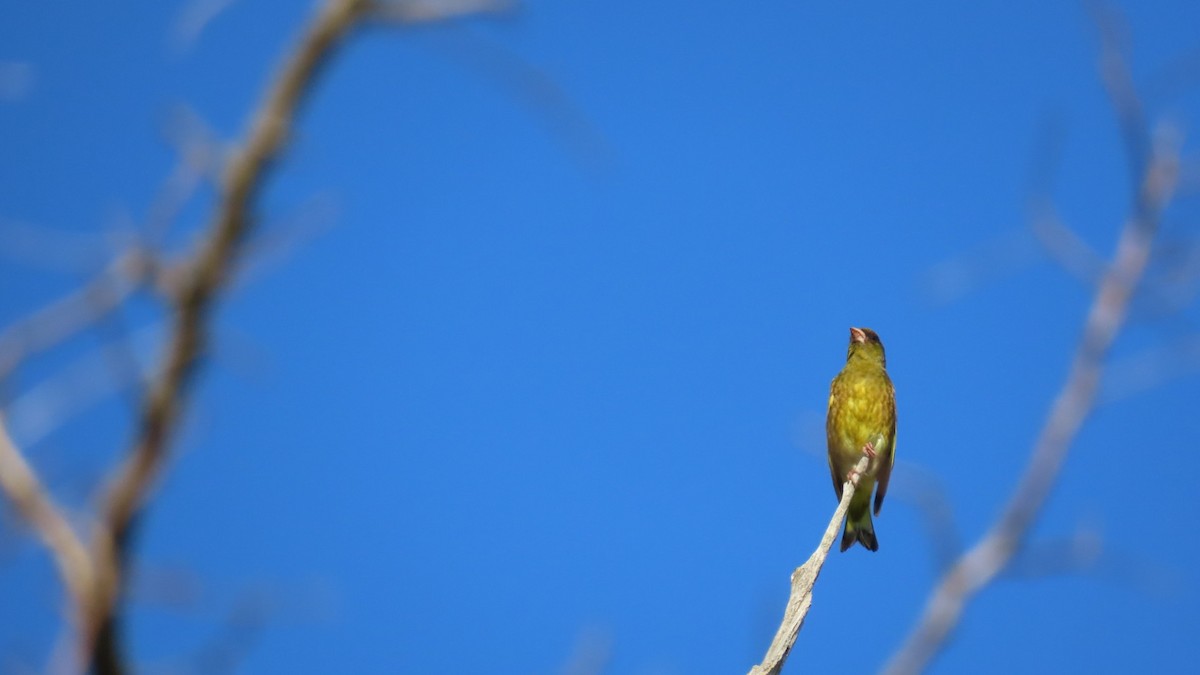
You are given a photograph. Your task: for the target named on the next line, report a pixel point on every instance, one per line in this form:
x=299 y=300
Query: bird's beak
x=857 y=335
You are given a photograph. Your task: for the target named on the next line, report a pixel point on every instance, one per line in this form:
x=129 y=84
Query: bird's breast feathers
x=860 y=405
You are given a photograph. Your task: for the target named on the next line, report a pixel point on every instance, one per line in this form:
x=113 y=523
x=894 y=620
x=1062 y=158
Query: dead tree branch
x=95 y=575
x=803 y=580
x=1154 y=169
x=241 y=183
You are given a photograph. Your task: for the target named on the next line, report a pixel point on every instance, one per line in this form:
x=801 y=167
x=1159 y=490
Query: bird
x=862 y=419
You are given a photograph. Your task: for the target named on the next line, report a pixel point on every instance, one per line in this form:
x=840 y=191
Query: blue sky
x=536 y=381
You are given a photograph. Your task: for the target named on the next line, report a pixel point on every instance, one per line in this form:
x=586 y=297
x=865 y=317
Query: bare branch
x=1151 y=368
x=195 y=17
x=1154 y=168
x=1064 y=246
x=72 y=313
x=591 y=655
x=241 y=631
x=201 y=154
x=921 y=488
x=424 y=11
x=1060 y=242
x=60 y=250
x=241 y=183
x=955 y=277
x=35 y=505
x=1080 y=553
x=92 y=378
x=803 y=580
x=16 y=80
x=95 y=577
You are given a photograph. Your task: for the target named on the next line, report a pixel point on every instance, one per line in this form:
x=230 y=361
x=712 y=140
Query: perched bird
x=862 y=418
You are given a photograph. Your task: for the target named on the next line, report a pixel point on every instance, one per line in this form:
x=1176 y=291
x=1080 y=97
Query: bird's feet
x=869 y=449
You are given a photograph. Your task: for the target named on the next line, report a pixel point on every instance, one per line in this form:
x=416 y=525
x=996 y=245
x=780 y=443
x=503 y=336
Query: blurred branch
x=16 y=80
x=69 y=315
x=1153 y=170
x=1084 y=552
x=98 y=374
x=804 y=578
x=533 y=87
x=1080 y=553
x=227 y=650
x=1151 y=368
x=591 y=655
x=59 y=250
x=958 y=276
x=1060 y=242
x=96 y=576
x=1064 y=246
x=421 y=11
x=193 y=19
x=201 y=155
x=206 y=272
x=38 y=509
x=922 y=489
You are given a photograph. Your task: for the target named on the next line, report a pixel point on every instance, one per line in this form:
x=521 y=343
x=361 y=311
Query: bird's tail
x=859 y=526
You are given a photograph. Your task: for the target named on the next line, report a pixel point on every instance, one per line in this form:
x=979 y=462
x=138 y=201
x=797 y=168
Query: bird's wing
x=836 y=468
x=885 y=470
x=838 y=474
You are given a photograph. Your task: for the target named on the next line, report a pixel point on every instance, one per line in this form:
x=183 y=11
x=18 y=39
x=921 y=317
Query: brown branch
x=208 y=270
x=803 y=580
x=1154 y=170
x=95 y=578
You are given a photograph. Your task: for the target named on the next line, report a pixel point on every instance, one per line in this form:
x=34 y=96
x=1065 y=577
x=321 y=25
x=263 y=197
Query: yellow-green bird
x=862 y=414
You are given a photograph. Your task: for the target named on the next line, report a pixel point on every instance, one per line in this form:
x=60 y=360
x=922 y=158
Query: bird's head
x=865 y=344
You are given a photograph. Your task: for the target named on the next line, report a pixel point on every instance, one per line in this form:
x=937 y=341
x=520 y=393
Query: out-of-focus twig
x=919 y=487
x=1154 y=168
x=193 y=19
x=1080 y=553
x=42 y=408
x=1085 y=552
x=72 y=313
x=803 y=580
x=1064 y=246
x=228 y=648
x=200 y=156
x=422 y=11
x=954 y=278
x=59 y=250
x=591 y=655
x=1151 y=368
x=34 y=503
x=16 y=80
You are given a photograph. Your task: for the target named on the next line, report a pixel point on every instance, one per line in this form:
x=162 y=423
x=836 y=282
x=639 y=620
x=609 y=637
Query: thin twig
x=71 y=314
x=1154 y=171
x=423 y=11
x=803 y=580
x=42 y=408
